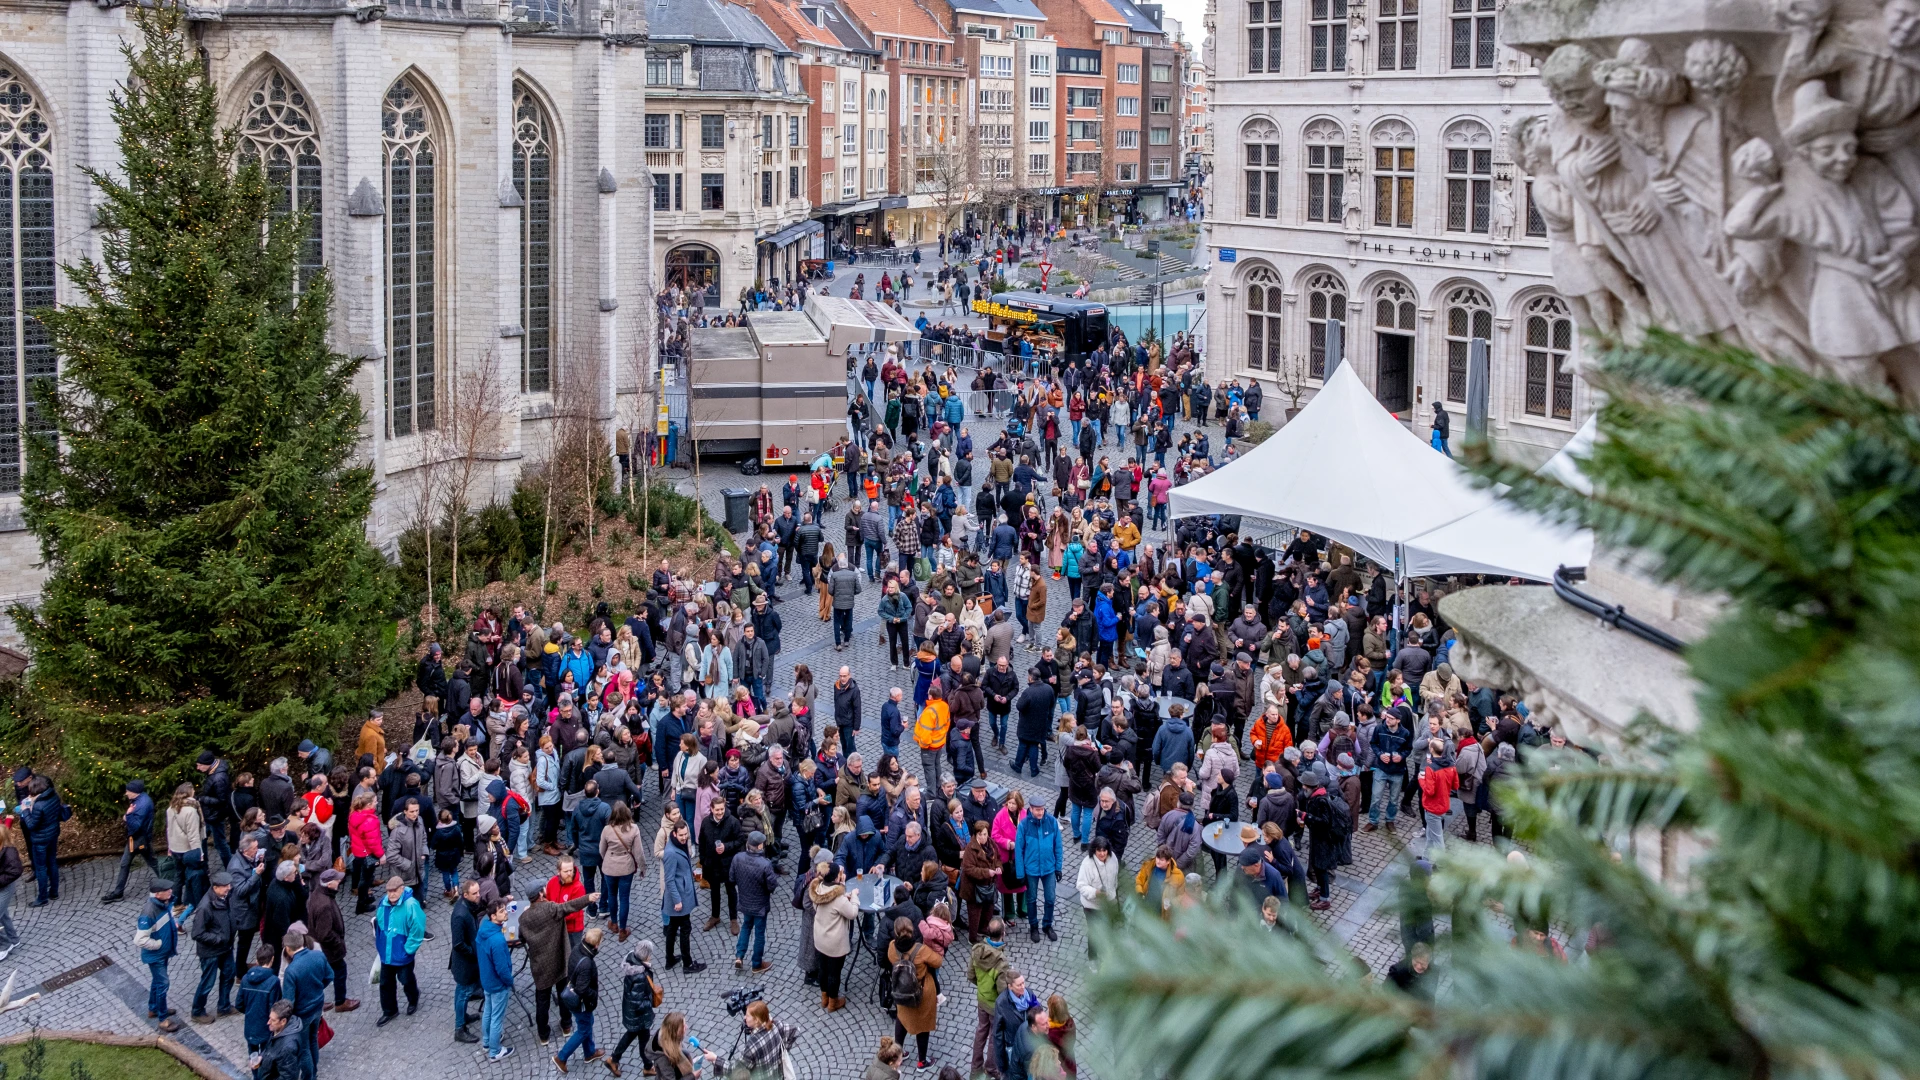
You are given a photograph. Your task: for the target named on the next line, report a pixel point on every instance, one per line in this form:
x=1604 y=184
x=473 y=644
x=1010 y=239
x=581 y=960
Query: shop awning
x=793 y=232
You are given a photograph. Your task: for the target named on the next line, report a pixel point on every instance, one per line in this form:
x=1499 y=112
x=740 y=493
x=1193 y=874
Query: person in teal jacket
x=1037 y=858
x=577 y=660
x=1071 y=564
x=496 y=978
x=399 y=926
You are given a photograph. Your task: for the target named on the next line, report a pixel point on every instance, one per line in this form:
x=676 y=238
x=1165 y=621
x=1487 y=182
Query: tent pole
x=1399 y=596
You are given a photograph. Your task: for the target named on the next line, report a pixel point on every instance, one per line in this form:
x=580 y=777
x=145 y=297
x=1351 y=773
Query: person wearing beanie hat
x=755 y=883
x=137 y=822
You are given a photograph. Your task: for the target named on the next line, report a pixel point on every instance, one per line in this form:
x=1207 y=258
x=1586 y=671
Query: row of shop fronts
x=899 y=221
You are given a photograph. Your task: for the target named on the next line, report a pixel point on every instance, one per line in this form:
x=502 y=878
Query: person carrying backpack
x=916 y=996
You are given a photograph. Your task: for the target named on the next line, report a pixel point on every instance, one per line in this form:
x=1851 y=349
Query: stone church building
x=478 y=188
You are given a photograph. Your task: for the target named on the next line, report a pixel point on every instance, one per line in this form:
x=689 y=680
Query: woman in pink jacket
x=363 y=839
x=1013 y=887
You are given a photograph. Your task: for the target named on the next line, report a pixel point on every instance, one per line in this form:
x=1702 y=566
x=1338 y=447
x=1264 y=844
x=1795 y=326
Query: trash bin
x=736 y=508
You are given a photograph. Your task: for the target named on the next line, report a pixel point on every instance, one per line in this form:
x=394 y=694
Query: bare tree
x=950 y=171
x=1292 y=377
x=428 y=485
x=469 y=436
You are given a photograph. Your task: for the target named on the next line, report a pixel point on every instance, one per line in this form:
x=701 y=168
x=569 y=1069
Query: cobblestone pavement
x=76 y=929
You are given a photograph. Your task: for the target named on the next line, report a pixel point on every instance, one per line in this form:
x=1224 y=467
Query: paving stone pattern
x=77 y=928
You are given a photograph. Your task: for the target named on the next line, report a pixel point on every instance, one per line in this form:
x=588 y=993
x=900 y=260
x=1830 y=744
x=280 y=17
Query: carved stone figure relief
x=1757 y=183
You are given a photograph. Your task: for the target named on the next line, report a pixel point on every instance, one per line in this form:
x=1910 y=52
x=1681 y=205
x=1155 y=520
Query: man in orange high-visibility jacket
x=930 y=731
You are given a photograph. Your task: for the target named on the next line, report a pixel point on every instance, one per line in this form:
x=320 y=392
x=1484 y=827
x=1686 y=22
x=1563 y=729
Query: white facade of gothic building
x=1362 y=173
x=478 y=188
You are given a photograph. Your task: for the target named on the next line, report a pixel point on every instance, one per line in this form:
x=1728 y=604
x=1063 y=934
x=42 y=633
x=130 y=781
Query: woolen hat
x=159 y=885
x=207 y=757
x=1250 y=857
x=138 y=787
x=756 y=838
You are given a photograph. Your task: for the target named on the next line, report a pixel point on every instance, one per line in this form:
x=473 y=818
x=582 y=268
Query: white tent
x=1312 y=474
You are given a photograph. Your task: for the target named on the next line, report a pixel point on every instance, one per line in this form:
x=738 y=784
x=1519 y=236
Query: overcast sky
x=1189 y=13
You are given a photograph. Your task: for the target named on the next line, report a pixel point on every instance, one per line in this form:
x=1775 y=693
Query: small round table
x=874 y=894
x=1218 y=839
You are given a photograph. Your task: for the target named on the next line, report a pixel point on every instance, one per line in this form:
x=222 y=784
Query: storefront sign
x=1002 y=311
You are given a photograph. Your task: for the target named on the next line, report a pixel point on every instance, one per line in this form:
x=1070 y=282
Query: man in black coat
x=464 y=962
x=846 y=708
x=1035 y=708
x=430 y=677
x=721 y=838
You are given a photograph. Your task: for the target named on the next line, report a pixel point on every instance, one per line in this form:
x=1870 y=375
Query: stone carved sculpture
x=1601 y=294
x=1763 y=193
x=1503 y=212
x=1858 y=220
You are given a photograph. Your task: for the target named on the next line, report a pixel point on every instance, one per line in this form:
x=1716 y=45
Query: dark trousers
x=628 y=1038
x=46 y=870
x=243 y=949
x=898 y=650
x=830 y=970
x=142 y=851
x=715 y=888
x=680 y=932
x=392 y=977
x=842 y=626
x=216 y=972
x=587 y=874
x=340 y=978
x=543 y=1010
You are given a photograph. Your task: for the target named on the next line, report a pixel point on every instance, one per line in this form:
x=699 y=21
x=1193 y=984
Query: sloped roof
x=1017 y=9
x=710 y=22
x=847 y=31
x=897 y=18
x=1135 y=18
x=793 y=27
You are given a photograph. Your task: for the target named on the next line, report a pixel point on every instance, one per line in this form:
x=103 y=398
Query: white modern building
x=1362 y=174
x=477 y=186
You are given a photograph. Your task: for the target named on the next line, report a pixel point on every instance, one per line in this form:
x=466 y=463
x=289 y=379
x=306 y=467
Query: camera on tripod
x=737 y=1001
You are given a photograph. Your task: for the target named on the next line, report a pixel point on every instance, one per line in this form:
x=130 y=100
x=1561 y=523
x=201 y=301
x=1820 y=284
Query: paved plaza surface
x=77 y=929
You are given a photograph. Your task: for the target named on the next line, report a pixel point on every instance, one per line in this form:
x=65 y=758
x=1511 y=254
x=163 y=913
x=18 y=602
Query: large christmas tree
x=212 y=584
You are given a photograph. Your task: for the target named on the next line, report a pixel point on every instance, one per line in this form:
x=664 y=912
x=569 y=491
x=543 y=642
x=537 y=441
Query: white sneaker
x=5 y=951
x=505 y=1053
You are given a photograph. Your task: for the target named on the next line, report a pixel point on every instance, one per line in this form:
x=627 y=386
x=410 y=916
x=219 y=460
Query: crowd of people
x=1205 y=679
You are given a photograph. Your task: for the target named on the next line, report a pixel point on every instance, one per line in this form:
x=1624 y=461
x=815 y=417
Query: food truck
x=775 y=390
x=1060 y=329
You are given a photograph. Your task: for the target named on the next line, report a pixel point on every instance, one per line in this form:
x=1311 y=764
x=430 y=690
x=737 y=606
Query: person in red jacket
x=363 y=842
x=564 y=886
x=1437 y=784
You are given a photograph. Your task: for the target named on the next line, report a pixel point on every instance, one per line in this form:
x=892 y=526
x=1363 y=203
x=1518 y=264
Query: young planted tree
x=1791 y=947
x=470 y=434
x=196 y=502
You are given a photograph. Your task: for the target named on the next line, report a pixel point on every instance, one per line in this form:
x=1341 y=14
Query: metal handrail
x=1612 y=614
